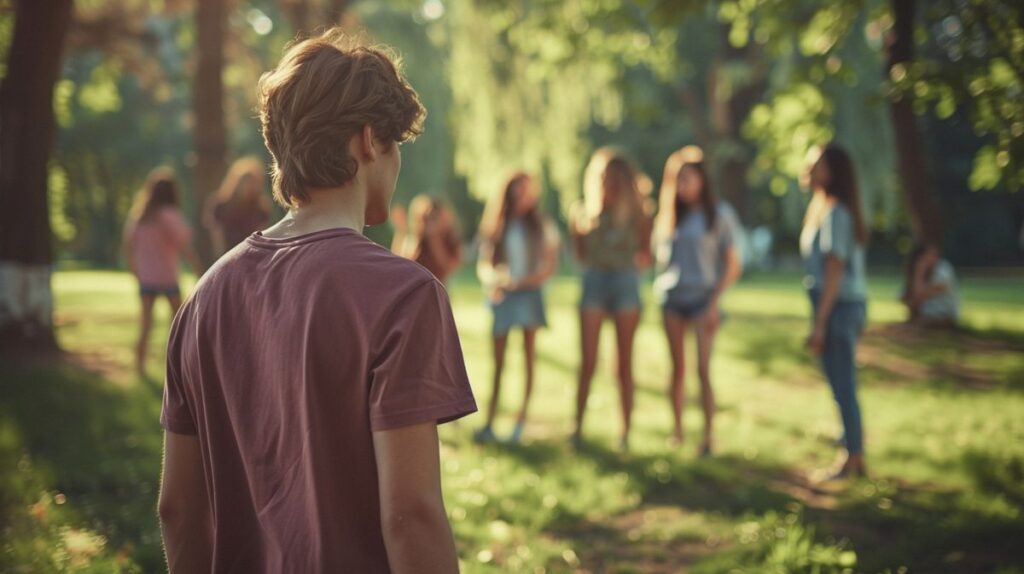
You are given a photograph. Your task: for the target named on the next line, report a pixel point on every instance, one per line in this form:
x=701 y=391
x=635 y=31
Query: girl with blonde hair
x=240 y=207
x=428 y=235
x=611 y=238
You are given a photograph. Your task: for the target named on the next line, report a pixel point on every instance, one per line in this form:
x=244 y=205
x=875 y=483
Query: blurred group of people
x=617 y=232
x=691 y=241
x=157 y=235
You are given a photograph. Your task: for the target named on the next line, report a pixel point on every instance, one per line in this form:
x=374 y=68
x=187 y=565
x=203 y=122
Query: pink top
x=286 y=357
x=156 y=246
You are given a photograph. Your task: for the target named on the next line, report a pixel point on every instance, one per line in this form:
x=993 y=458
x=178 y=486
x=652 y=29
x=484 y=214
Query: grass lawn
x=944 y=420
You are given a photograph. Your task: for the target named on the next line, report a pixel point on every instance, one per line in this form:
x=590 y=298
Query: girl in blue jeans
x=832 y=243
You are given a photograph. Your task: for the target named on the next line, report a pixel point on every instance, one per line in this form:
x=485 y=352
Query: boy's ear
x=366 y=147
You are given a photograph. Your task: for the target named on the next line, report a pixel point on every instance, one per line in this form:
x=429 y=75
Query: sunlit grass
x=944 y=420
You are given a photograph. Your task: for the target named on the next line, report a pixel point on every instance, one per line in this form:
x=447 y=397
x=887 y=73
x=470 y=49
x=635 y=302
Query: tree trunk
x=208 y=105
x=298 y=16
x=336 y=11
x=920 y=204
x=27 y=131
x=731 y=103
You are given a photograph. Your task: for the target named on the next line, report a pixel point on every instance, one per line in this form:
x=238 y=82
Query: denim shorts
x=688 y=310
x=524 y=309
x=615 y=291
x=157 y=290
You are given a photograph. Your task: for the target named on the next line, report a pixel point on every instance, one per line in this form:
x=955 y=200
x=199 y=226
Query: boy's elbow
x=407 y=518
x=172 y=510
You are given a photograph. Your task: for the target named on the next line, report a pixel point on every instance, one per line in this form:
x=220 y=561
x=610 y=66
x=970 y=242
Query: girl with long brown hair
x=611 y=238
x=156 y=236
x=428 y=235
x=697 y=262
x=240 y=207
x=518 y=254
x=833 y=244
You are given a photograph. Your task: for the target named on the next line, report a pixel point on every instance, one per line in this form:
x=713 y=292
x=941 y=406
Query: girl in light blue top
x=697 y=262
x=518 y=254
x=832 y=243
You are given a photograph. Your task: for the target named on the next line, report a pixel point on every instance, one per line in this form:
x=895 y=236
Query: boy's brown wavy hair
x=323 y=92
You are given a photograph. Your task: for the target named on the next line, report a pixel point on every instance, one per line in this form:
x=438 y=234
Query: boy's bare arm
x=416 y=530
x=184 y=506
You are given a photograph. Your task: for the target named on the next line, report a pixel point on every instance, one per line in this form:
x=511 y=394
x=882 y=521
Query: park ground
x=944 y=411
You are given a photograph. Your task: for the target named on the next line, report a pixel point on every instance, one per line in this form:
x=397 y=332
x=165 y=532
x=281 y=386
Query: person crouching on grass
x=309 y=369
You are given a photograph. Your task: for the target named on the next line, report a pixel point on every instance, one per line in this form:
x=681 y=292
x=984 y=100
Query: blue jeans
x=837 y=361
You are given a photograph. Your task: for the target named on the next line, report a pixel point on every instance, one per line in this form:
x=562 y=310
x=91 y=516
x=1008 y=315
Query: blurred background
x=926 y=96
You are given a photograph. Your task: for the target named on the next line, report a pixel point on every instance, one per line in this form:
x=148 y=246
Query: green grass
x=944 y=416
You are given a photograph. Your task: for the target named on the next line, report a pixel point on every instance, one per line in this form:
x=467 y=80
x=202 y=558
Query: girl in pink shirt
x=156 y=236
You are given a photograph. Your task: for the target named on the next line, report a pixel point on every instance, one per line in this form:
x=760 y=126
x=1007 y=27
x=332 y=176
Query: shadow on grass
x=773 y=345
x=888 y=523
x=97 y=443
x=944 y=358
x=927 y=529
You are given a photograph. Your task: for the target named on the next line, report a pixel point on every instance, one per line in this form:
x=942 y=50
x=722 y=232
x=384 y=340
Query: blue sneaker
x=576 y=441
x=517 y=435
x=485 y=435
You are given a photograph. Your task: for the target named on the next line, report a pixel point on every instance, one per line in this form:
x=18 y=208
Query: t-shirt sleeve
x=175 y=414
x=837 y=234
x=418 y=373
x=726 y=229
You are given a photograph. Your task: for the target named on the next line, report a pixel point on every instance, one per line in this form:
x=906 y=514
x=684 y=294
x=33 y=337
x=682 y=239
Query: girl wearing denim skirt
x=697 y=262
x=518 y=254
x=832 y=243
x=611 y=238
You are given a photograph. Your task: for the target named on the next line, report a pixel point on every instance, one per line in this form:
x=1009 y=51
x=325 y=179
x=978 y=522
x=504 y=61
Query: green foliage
x=529 y=80
x=40 y=533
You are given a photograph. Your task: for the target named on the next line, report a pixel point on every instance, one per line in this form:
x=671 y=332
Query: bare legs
x=485 y=434
x=625 y=329
x=500 y=342
x=706 y=331
x=590 y=331
x=529 y=344
x=590 y=334
x=146 y=325
x=675 y=331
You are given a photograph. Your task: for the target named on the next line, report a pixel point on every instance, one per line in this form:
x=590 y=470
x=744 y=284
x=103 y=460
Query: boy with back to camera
x=308 y=371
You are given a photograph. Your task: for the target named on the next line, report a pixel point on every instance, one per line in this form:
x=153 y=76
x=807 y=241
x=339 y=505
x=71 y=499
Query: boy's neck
x=327 y=208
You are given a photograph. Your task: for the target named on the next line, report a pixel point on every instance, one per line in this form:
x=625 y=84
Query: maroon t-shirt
x=286 y=357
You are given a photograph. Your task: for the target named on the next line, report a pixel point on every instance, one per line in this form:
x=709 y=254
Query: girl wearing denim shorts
x=832 y=243
x=518 y=254
x=611 y=238
x=156 y=237
x=697 y=262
